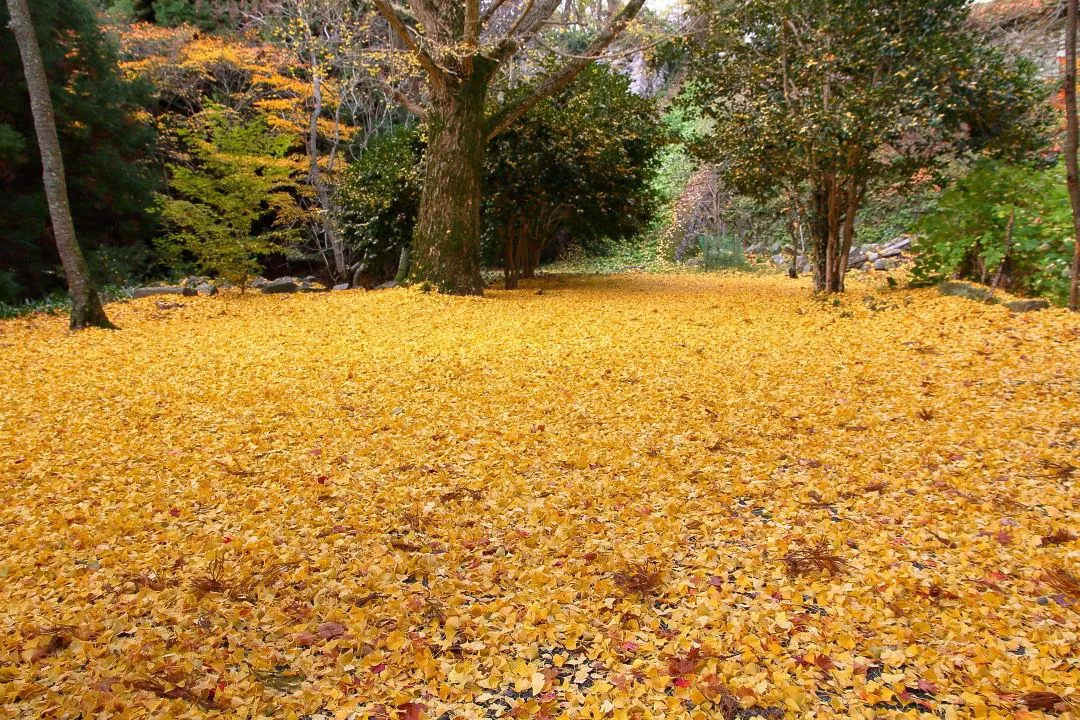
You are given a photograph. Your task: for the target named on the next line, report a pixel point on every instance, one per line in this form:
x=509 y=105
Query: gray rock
x=890 y=252
x=389 y=285
x=955 y=288
x=195 y=280
x=141 y=292
x=340 y=286
x=873 y=256
x=258 y=282
x=803 y=264
x=779 y=259
x=901 y=243
x=856 y=259
x=881 y=264
x=1027 y=305
x=308 y=287
x=206 y=289
x=281 y=285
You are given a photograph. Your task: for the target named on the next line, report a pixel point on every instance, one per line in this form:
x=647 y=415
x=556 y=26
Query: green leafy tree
x=379 y=197
x=235 y=201
x=821 y=100
x=1002 y=224
x=581 y=163
x=462 y=48
x=109 y=150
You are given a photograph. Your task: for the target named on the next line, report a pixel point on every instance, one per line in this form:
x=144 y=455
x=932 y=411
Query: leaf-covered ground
x=637 y=497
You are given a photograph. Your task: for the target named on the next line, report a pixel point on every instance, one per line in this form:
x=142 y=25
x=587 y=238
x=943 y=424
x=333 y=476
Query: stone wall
x=1033 y=28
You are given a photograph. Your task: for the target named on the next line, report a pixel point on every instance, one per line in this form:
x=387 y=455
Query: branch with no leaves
x=563 y=77
x=435 y=73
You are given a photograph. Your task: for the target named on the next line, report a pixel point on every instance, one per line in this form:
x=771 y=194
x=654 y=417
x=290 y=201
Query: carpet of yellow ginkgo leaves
x=586 y=502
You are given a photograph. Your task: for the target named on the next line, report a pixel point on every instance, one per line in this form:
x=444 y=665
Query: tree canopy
x=821 y=99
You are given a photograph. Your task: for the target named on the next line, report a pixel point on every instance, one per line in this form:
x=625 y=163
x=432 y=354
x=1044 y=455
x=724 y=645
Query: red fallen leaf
x=927 y=686
x=331 y=630
x=682 y=682
x=908 y=699
x=713 y=686
x=1004 y=537
x=630 y=646
x=473 y=544
x=825 y=662
x=411 y=711
x=716 y=581
x=322 y=479
x=378 y=668
x=1043 y=701
x=306 y=639
x=227 y=538
x=106 y=684
x=937 y=592
x=175 y=512
x=685 y=664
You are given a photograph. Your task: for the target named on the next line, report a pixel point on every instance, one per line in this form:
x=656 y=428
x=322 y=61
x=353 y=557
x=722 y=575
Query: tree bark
x=1071 y=143
x=86 y=309
x=833 y=244
x=326 y=204
x=819 y=235
x=851 y=209
x=446 y=241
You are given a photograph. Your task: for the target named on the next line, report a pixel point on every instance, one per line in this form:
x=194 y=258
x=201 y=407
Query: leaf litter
x=629 y=497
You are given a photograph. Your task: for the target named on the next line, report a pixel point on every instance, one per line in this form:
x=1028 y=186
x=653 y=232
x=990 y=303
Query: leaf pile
x=646 y=497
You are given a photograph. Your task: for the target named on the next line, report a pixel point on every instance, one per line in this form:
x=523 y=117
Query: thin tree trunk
x=833 y=245
x=819 y=235
x=326 y=204
x=446 y=241
x=86 y=306
x=851 y=208
x=1072 y=141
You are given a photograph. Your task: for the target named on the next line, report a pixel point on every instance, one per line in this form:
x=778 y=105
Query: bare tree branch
x=409 y=104
x=558 y=80
x=491 y=10
x=472 y=22
x=685 y=30
x=436 y=74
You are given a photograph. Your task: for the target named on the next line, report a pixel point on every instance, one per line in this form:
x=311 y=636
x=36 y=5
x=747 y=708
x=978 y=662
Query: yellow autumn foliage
x=630 y=497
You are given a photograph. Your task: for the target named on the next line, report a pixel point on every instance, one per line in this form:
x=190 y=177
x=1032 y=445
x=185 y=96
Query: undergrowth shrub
x=1001 y=220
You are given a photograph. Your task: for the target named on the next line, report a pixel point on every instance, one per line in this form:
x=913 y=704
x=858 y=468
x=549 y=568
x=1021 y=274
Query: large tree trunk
x=85 y=304
x=446 y=241
x=1072 y=141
